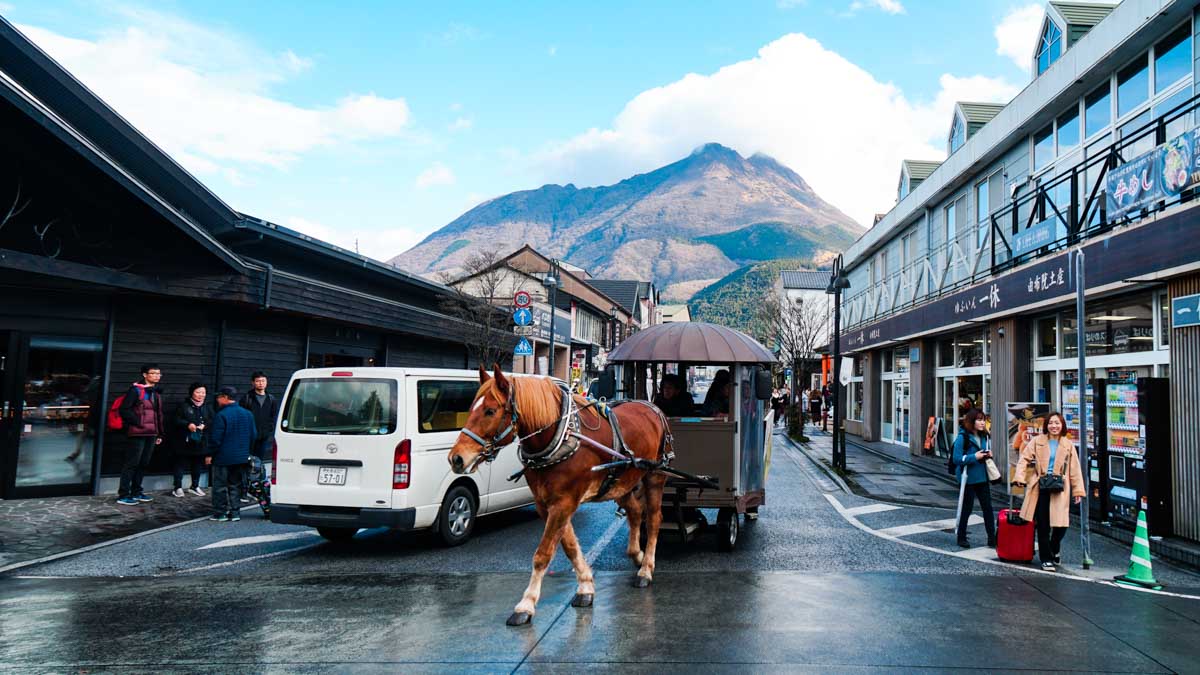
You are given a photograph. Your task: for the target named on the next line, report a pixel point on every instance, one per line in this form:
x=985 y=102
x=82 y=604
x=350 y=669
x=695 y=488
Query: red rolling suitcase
x=1014 y=543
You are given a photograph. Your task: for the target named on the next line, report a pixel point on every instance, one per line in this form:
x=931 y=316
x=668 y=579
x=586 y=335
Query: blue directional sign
x=524 y=348
x=522 y=316
x=1185 y=311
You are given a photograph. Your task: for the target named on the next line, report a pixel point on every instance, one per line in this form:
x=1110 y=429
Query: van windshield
x=336 y=405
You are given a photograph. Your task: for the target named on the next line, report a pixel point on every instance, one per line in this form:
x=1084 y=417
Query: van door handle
x=331 y=462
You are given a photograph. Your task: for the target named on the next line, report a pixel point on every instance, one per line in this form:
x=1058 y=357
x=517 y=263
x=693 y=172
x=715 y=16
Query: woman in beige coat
x=1051 y=511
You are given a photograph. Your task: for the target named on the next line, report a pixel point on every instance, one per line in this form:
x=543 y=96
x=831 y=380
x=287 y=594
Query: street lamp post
x=551 y=282
x=837 y=283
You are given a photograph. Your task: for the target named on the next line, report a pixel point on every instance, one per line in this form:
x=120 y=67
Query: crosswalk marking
x=921 y=528
x=869 y=508
x=260 y=539
x=977 y=553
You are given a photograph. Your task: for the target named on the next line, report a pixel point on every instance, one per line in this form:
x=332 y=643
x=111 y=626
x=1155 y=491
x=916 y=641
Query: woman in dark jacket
x=970 y=454
x=192 y=418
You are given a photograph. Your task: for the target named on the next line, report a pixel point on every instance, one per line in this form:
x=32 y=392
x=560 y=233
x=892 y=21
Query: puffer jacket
x=232 y=435
x=142 y=412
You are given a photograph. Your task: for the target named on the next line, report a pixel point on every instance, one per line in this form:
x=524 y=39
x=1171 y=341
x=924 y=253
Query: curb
x=832 y=475
x=105 y=544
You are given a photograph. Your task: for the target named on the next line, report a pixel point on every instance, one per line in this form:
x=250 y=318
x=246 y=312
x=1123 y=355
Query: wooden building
x=111 y=256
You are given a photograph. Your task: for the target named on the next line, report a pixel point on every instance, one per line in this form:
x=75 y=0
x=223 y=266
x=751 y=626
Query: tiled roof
x=625 y=291
x=919 y=169
x=1083 y=13
x=805 y=279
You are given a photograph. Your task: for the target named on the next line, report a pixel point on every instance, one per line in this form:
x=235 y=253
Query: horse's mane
x=539 y=400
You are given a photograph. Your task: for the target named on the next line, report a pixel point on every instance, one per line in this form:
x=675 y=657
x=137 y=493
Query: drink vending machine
x=1129 y=434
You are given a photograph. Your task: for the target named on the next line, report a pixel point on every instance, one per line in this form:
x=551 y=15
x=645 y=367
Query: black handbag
x=1053 y=482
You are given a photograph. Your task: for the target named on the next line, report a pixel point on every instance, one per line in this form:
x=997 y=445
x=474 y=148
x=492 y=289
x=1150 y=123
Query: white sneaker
x=177 y=492
x=196 y=491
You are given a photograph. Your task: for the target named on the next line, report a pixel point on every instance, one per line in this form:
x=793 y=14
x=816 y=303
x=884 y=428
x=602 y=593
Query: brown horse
x=529 y=409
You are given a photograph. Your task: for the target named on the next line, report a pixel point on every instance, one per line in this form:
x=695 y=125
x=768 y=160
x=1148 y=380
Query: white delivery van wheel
x=456 y=520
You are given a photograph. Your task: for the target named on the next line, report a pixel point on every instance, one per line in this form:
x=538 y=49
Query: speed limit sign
x=522 y=299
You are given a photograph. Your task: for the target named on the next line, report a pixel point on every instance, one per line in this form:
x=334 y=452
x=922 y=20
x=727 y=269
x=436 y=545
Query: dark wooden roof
x=691 y=343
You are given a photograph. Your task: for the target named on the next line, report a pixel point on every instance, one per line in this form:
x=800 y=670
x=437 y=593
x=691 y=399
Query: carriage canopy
x=691 y=343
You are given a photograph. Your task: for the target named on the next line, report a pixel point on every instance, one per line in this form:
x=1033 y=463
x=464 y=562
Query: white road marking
x=260 y=539
x=980 y=553
x=870 y=508
x=608 y=535
x=842 y=511
x=230 y=563
x=922 y=528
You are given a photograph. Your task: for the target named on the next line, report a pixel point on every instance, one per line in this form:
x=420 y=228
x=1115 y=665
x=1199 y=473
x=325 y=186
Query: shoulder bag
x=1054 y=482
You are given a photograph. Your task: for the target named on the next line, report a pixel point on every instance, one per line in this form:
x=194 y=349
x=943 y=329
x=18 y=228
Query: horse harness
x=568 y=439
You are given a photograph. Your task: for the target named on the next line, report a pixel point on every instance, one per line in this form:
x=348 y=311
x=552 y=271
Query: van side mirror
x=763 y=385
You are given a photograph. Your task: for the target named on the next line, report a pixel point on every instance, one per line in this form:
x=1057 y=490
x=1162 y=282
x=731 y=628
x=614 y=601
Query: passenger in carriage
x=673 y=398
x=716 y=401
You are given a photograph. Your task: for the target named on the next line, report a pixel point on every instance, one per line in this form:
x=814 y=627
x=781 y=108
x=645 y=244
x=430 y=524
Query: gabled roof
x=1082 y=13
x=978 y=114
x=919 y=169
x=806 y=280
x=627 y=292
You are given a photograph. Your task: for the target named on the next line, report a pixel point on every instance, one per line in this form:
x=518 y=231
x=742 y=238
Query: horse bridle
x=492 y=448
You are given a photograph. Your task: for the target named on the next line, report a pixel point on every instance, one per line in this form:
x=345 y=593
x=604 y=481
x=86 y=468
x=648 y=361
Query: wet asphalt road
x=806 y=590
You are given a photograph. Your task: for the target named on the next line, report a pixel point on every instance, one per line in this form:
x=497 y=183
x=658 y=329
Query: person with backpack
x=192 y=417
x=970 y=455
x=230 y=440
x=141 y=417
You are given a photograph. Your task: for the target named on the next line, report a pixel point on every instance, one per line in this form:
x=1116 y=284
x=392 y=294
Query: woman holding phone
x=1046 y=457
x=970 y=454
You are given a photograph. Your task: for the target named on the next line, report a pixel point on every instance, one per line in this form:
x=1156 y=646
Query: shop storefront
x=895 y=407
x=963 y=376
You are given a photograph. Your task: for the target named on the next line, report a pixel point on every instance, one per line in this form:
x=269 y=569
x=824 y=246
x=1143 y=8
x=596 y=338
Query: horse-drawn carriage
x=726 y=450
x=575 y=450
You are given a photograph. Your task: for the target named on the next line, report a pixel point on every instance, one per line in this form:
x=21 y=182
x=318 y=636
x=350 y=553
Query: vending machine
x=1136 y=449
x=1072 y=412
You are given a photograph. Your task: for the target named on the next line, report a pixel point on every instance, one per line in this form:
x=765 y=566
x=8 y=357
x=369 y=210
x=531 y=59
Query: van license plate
x=331 y=475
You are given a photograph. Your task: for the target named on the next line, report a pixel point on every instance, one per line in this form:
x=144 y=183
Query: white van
x=367 y=447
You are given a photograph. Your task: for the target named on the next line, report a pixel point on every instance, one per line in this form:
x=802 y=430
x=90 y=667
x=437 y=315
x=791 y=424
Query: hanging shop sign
x=1037 y=236
x=1185 y=311
x=1161 y=173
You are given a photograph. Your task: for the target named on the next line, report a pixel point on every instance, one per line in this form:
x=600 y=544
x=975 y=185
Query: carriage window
x=341 y=406
x=444 y=405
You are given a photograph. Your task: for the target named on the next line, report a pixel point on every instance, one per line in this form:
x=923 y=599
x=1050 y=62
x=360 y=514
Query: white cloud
x=841 y=129
x=203 y=95
x=437 y=174
x=887 y=6
x=380 y=245
x=5 y=8
x=1017 y=33
x=461 y=124
x=552 y=50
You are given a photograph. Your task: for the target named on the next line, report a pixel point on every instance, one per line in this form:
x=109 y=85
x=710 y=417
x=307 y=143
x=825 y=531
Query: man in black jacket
x=266 y=411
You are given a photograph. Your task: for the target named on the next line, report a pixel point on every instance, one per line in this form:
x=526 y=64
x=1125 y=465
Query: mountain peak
x=684 y=224
x=716 y=151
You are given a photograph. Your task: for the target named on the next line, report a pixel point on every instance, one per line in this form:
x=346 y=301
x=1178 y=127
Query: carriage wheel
x=727 y=529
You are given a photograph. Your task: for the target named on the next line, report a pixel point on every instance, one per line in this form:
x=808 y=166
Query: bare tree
x=482 y=292
x=798 y=328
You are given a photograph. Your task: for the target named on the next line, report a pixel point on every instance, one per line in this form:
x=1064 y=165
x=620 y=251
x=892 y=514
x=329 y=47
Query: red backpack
x=115 y=422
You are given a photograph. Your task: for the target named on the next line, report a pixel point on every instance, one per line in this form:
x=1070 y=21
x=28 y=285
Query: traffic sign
x=522 y=299
x=527 y=331
x=524 y=348
x=522 y=316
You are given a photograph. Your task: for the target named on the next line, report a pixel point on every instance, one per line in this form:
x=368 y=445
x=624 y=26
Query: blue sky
x=379 y=122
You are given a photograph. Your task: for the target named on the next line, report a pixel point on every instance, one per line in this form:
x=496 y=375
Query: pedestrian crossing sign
x=524 y=348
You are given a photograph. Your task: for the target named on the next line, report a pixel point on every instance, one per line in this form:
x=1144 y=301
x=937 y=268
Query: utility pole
x=551 y=282
x=837 y=283
x=1084 y=410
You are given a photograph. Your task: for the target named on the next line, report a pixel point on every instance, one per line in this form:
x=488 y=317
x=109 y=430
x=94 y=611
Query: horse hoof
x=582 y=600
x=641 y=582
x=519 y=618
